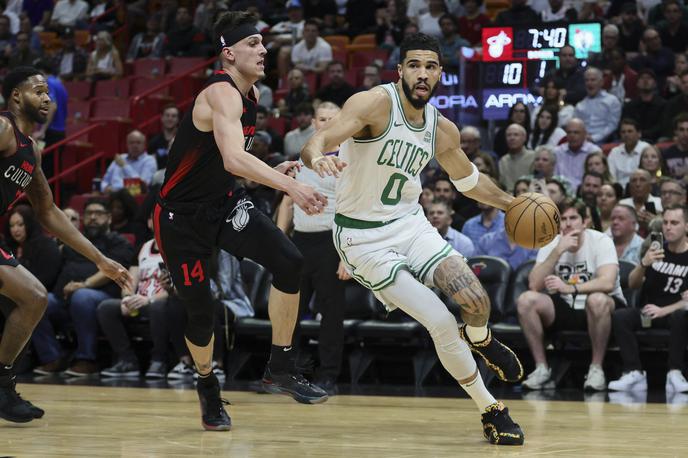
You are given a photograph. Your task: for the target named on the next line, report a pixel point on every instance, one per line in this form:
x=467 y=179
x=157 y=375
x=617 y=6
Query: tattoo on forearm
x=457 y=281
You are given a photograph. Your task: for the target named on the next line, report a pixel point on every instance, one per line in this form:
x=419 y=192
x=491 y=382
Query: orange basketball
x=532 y=220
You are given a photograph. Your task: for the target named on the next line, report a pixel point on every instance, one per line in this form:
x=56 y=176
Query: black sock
x=281 y=358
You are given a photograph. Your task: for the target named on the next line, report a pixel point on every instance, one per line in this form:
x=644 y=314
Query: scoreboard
x=513 y=61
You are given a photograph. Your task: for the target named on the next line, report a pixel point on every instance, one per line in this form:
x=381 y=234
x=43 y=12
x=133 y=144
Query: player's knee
x=599 y=304
x=441 y=325
x=39 y=300
x=286 y=271
x=199 y=326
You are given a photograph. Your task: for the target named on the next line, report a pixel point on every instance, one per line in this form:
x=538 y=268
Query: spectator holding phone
x=662 y=276
x=646 y=205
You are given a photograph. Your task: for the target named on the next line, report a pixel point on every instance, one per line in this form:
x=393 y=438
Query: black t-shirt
x=676 y=161
x=666 y=280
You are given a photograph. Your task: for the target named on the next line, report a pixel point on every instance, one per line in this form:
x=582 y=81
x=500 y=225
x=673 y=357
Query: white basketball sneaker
x=595 y=379
x=539 y=379
x=676 y=381
x=630 y=381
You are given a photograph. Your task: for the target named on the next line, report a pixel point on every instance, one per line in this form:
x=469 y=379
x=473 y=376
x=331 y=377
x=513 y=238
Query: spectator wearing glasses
x=79 y=289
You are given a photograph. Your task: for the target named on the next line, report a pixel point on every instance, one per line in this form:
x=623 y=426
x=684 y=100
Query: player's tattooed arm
x=457 y=280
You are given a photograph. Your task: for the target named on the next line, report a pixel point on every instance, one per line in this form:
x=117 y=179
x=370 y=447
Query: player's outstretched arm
x=452 y=159
x=360 y=110
x=57 y=223
x=225 y=109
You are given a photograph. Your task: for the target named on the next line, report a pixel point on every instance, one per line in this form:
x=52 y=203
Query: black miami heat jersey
x=195 y=171
x=16 y=170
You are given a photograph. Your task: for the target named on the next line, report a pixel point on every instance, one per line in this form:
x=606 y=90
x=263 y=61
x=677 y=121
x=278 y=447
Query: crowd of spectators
x=611 y=132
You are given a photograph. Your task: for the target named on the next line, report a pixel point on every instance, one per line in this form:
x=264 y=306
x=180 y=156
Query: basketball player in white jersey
x=387 y=135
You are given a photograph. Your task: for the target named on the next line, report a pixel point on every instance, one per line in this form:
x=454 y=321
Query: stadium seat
x=364 y=39
x=389 y=76
x=361 y=58
x=112 y=88
x=78 y=110
x=141 y=84
x=78 y=89
x=340 y=55
x=337 y=41
x=82 y=38
x=178 y=65
x=148 y=67
x=109 y=108
x=493 y=274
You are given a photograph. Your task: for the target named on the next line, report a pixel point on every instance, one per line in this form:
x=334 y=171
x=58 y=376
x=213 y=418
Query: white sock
x=478 y=392
x=476 y=334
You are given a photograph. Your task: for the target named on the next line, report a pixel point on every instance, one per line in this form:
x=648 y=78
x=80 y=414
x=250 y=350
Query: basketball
x=532 y=220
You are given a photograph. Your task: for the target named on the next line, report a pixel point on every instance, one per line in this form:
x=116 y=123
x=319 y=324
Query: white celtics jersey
x=382 y=179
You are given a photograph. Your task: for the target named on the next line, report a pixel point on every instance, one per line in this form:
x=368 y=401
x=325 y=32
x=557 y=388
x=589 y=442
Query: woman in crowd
x=651 y=159
x=546 y=130
x=553 y=96
x=104 y=62
x=485 y=164
x=518 y=114
x=521 y=186
x=149 y=43
x=607 y=198
x=597 y=162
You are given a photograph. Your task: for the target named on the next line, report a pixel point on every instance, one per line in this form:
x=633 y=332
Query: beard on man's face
x=95 y=231
x=417 y=102
x=34 y=114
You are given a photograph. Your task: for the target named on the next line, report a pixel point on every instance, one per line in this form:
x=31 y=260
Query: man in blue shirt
x=135 y=164
x=54 y=128
x=490 y=219
x=497 y=244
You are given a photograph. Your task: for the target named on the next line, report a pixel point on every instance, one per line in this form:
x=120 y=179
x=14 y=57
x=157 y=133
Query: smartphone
x=656 y=240
x=650 y=208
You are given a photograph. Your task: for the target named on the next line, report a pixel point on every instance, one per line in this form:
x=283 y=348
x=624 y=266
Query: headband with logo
x=238 y=34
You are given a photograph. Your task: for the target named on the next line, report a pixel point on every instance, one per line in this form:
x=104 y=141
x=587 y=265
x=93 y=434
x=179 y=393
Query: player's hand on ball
x=328 y=166
x=307 y=198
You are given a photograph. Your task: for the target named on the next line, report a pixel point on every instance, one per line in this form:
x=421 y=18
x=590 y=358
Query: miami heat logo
x=239 y=215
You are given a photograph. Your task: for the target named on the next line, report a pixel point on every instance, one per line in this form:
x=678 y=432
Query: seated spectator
x=631 y=28
x=429 y=21
x=472 y=23
x=313 y=53
x=620 y=80
x=645 y=204
x=104 y=62
x=69 y=13
x=148 y=44
x=626 y=240
x=610 y=41
x=597 y=162
x=205 y=14
x=391 y=21
x=485 y=164
x=489 y=220
x=519 y=113
x=675 y=107
x=655 y=56
x=136 y=164
x=265 y=98
x=298 y=93
x=556 y=190
x=651 y=160
x=287 y=33
x=338 y=90
x=543 y=168
x=569 y=76
x=553 y=97
x=672 y=193
x=102 y=15
x=662 y=276
x=572 y=154
x=461 y=206
x=546 y=130
x=22 y=54
x=34 y=250
x=71 y=61
x=393 y=59
x=123 y=210
x=647 y=107
x=589 y=188
x=521 y=186
x=79 y=289
x=607 y=200
x=185 y=40
x=676 y=156
x=471 y=142
x=295 y=139
x=34 y=38
x=674 y=31
x=497 y=244
x=557 y=11
x=518 y=160
x=146 y=299
x=624 y=159
x=519 y=14
x=673 y=82
x=371 y=78
x=262 y=116
x=73 y=216
x=580 y=272
x=427 y=197
x=160 y=144
x=599 y=110
x=450 y=41
x=440 y=216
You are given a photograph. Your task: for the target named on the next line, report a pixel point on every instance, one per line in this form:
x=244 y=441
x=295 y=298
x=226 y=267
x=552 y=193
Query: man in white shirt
x=624 y=159
x=599 y=110
x=579 y=270
x=312 y=54
x=135 y=164
x=67 y=12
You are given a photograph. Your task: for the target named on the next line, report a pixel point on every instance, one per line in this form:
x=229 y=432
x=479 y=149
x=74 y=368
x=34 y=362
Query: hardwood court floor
x=84 y=421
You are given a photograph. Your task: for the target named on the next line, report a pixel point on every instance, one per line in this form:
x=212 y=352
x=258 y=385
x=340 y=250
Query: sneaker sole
x=14 y=419
x=496 y=438
x=81 y=374
x=120 y=374
x=42 y=372
x=208 y=427
x=274 y=389
x=155 y=376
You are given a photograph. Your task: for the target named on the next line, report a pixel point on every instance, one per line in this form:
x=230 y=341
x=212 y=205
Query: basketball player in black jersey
x=24 y=298
x=200 y=208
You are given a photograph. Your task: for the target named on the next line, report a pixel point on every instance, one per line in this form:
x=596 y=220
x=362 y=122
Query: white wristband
x=469 y=182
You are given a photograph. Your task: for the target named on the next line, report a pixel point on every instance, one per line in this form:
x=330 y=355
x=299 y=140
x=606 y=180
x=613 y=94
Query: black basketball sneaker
x=499 y=428
x=12 y=407
x=294 y=385
x=496 y=355
x=214 y=417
